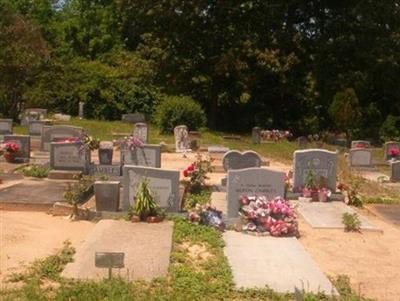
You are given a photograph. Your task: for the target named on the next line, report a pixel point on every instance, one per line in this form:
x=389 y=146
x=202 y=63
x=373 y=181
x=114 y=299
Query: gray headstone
x=182 y=139
x=145 y=155
x=360 y=157
x=236 y=160
x=133 y=118
x=164 y=184
x=62 y=117
x=6 y=126
x=35 y=127
x=33 y=114
x=302 y=141
x=24 y=143
x=141 y=131
x=360 y=144
x=395 y=171
x=321 y=162
x=51 y=133
x=111 y=171
x=81 y=109
x=387 y=147
x=66 y=156
x=256 y=135
x=107 y=195
x=252 y=181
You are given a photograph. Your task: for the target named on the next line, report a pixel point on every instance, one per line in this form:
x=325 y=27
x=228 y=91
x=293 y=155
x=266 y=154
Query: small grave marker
x=141 y=131
x=109 y=260
x=360 y=157
x=395 y=171
x=6 y=126
x=182 y=139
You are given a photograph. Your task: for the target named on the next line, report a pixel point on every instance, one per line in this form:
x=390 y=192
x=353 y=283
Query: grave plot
x=32 y=193
x=147 y=249
x=389 y=213
x=329 y=215
x=282 y=264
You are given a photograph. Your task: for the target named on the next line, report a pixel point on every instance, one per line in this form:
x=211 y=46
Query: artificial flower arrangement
x=360 y=145
x=129 y=142
x=207 y=215
x=262 y=216
x=197 y=173
x=394 y=152
x=8 y=150
x=316 y=190
x=85 y=142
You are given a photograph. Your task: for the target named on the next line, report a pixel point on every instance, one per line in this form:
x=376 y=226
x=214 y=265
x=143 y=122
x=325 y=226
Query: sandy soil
x=370 y=259
x=26 y=236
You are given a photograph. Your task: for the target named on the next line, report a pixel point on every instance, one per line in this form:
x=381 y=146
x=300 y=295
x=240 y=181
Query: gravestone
x=182 y=139
x=387 y=147
x=256 y=135
x=302 y=142
x=360 y=157
x=145 y=155
x=36 y=126
x=62 y=117
x=252 y=181
x=33 y=114
x=236 y=160
x=24 y=143
x=81 y=109
x=321 y=162
x=163 y=183
x=360 y=144
x=113 y=171
x=106 y=151
x=51 y=133
x=67 y=156
x=133 y=118
x=141 y=131
x=395 y=171
x=217 y=149
x=6 y=126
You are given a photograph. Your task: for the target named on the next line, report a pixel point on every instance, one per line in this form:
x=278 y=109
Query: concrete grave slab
x=31 y=192
x=282 y=264
x=329 y=215
x=390 y=213
x=147 y=249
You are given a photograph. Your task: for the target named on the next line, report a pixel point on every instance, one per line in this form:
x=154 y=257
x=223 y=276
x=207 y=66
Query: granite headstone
x=133 y=118
x=360 y=157
x=360 y=144
x=395 y=171
x=24 y=143
x=388 y=147
x=52 y=133
x=69 y=156
x=182 y=139
x=6 y=126
x=145 y=155
x=164 y=184
x=252 y=181
x=141 y=131
x=320 y=161
x=36 y=126
x=237 y=160
x=256 y=135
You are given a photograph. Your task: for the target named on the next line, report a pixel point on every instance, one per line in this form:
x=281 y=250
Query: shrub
x=36 y=171
x=351 y=222
x=176 y=110
x=389 y=129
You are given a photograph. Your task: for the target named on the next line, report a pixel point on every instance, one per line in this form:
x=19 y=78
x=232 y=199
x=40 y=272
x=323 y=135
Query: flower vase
x=10 y=157
x=322 y=196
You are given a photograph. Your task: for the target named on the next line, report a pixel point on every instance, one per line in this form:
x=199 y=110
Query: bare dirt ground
x=26 y=236
x=370 y=259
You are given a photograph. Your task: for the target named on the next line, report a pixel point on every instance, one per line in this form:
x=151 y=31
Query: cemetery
x=127 y=197
x=199 y=150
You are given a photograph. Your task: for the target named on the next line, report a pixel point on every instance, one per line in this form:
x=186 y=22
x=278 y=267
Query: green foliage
x=177 y=110
x=390 y=129
x=36 y=171
x=310 y=180
x=76 y=193
x=49 y=268
x=145 y=204
x=202 y=198
x=379 y=200
x=345 y=110
x=351 y=222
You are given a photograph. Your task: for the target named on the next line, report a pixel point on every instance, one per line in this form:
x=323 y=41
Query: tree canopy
x=270 y=63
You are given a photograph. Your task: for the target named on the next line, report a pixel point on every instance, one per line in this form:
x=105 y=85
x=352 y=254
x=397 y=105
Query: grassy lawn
x=191 y=277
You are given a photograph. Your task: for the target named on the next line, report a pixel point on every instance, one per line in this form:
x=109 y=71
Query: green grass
x=189 y=278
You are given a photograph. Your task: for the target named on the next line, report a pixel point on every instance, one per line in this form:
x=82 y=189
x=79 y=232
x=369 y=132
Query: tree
x=345 y=111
